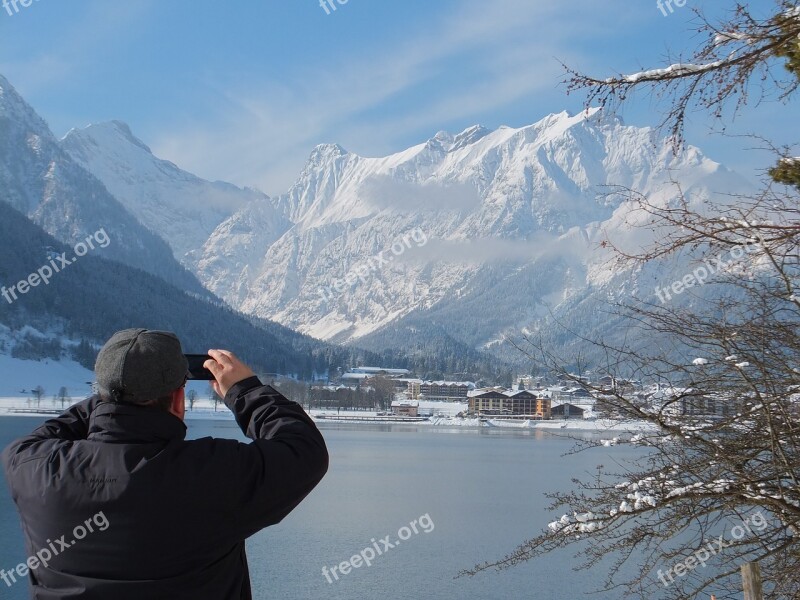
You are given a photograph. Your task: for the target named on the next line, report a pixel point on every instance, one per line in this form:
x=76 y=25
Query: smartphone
x=196 y=369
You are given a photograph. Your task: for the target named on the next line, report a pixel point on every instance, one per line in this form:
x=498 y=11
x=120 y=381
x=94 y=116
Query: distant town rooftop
x=355 y=376
x=510 y=393
x=468 y=384
x=412 y=403
x=380 y=371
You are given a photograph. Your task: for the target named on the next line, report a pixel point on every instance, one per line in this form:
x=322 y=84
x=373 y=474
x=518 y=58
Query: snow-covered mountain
x=457 y=242
x=480 y=234
x=180 y=207
x=43 y=182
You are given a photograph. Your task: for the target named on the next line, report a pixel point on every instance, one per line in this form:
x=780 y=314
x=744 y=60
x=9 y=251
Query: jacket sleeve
x=71 y=425
x=287 y=459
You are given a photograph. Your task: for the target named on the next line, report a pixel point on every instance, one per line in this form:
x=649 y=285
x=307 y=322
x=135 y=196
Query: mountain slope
x=39 y=179
x=93 y=297
x=180 y=207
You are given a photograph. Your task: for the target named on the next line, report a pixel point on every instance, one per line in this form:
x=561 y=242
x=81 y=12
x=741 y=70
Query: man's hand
x=227 y=370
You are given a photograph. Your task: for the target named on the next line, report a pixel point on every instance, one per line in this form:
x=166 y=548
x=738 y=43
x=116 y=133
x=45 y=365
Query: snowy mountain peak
x=469 y=136
x=441 y=141
x=483 y=232
x=108 y=133
x=444 y=141
x=325 y=153
x=42 y=181
x=102 y=137
x=557 y=124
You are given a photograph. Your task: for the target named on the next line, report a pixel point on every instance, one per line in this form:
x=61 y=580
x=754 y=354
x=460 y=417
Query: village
x=531 y=398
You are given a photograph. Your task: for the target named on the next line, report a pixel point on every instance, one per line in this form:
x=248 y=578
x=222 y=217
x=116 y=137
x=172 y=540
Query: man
x=175 y=513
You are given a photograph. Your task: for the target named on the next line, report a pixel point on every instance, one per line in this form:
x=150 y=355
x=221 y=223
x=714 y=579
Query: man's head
x=142 y=366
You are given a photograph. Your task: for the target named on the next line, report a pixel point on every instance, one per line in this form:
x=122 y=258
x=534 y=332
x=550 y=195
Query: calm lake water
x=483 y=491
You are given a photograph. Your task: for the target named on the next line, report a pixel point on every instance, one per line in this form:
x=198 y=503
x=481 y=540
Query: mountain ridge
x=539 y=199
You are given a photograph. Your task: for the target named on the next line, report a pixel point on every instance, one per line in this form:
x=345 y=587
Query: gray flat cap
x=139 y=365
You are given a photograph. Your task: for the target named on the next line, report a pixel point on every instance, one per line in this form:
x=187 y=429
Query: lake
x=482 y=492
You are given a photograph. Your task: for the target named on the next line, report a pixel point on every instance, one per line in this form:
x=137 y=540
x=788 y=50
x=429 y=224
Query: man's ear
x=178 y=406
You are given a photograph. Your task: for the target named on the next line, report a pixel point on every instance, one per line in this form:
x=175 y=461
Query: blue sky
x=242 y=91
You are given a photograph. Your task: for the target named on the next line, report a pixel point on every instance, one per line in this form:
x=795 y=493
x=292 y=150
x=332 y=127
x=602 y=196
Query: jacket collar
x=129 y=423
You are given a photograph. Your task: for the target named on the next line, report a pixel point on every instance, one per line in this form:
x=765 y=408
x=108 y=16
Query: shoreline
x=204 y=411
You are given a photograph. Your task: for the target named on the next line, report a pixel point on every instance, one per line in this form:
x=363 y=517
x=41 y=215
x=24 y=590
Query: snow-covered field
x=18 y=377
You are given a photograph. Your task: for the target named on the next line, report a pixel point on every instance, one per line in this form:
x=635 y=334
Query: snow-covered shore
x=20 y=377
x=598 y=425
x=205 y=409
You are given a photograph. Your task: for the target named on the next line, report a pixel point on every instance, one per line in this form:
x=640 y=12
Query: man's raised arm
x=288 y=457
x=71 y=425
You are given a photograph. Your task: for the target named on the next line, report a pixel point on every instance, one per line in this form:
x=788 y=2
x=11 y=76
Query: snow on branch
x=675 y=70
x=717 y=75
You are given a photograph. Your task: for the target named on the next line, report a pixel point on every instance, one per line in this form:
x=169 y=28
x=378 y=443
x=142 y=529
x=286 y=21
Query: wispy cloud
x=501 y=53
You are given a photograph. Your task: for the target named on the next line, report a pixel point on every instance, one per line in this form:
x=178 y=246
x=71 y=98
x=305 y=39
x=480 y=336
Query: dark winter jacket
x=128 y=509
